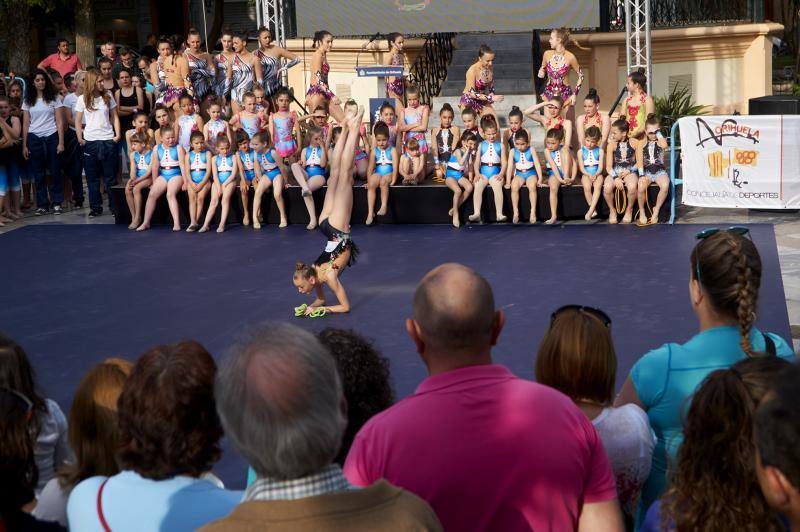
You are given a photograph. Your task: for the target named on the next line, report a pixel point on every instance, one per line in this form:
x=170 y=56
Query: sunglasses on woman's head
x=596 y=312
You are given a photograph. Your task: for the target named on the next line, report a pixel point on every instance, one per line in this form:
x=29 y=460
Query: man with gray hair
x=280 y=400
x=487 y=450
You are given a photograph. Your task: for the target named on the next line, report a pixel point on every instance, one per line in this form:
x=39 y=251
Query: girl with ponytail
x=724 y=279
x=556 y=65
x=319 y=92
x=638 y=105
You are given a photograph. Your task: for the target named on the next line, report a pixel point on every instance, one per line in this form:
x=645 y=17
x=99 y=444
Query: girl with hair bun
x=650 y=156
x=319 y=92
x=202 y=69
x=556 y=65
x=479 y=93
x=724 y=280
x=396 y=86
x=638 y=105
x=593 y=116
x=270 y=55
x=444 y=140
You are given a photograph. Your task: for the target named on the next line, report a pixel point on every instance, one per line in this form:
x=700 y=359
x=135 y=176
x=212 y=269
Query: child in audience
x=170 y=176
x=412 y=163
x=458 y=172
x=225 y=171
x=163 y=120
x=650 y=157
x=413 y=121
x=470 y=119
x=383 y=169
x=515 y=120
x=444 y=139
x=11 y=161
x=558 y=159
x=216 y=127
x=490 y=169
x=188 y=122
x=361 y=159
x=248 y=170
x=310 y=171
x=141 y=123
x=284 y=127
x=590 y=164
x=524 y=170
x=622 y=171
x=141 y=172
x=198 y=161
x=273 y=175
x=248 y=119
x=389 y=118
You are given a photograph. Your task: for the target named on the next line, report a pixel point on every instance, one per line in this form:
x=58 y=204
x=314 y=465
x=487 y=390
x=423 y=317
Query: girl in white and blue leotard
x=309 y=172
x=272 y=175
x=457 y=172
x=524 y=170
x=198 y=162
x=558 y=159
x=169 y=172
x=246 y=157
x=382 y=170
x=590 y=164
x=490 y=166
x=141 y=171
x=226 y=171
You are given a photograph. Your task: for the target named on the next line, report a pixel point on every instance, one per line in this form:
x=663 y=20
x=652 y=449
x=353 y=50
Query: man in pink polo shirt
x=487 y=450
x=62 y=61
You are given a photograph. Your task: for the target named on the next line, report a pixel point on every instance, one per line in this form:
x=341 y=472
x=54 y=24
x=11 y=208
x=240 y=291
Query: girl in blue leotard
x=273 y=175
x=458 y=169
x=524 y=170
x=225 y=171
x=590 y=164
x=383 y=168
x=167 y=166
x=141 y=172
x=558 y=159
x=249 y=171
x=310 y=171
x=490 y=169
x=198 y=162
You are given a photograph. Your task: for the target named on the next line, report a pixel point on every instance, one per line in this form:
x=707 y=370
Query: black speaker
x=775 y=105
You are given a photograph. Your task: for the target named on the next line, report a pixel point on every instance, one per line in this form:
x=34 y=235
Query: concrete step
x=501 y=86
x=495 y=40
x=521 y=69
x=510 y=56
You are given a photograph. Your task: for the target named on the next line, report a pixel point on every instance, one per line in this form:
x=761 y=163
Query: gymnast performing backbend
x=340 y=250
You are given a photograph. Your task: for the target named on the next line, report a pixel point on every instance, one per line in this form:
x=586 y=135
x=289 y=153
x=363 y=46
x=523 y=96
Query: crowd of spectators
x=702 y=436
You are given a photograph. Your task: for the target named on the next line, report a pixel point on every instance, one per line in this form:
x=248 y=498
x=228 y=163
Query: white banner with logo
x=741 y=161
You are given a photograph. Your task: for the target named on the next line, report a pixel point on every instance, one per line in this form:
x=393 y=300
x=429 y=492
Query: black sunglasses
x=596 y=312
x=705 y=233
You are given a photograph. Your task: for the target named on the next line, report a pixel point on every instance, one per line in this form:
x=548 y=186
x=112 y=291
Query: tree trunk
x=18 y=36
x=84 y=31
x=216 y=27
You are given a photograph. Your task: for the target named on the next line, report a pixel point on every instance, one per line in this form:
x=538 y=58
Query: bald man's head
x=454 y=310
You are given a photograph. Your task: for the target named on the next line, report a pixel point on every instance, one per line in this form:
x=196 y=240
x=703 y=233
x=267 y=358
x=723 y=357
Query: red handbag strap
x=100 y=515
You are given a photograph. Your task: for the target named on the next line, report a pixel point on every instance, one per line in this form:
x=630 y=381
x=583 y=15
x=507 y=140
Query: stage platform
x=76 y=294
x=422 y=204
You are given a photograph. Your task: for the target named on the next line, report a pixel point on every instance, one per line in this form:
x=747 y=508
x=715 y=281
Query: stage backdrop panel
x=362 y=17
x=741 y=161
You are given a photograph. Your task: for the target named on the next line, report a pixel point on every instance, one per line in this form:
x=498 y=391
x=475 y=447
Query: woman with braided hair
x=724 y=279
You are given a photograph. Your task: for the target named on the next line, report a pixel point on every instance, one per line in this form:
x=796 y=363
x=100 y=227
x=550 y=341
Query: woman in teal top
x=724 y=281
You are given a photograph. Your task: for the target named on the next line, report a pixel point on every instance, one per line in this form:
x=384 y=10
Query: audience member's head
x=714 y=485
x=16 y=372
x=365 y=379
x=167 y=416
x=576 y=355
x=93 y=423
x=454 y=321
x=725 y=278
x=18 y=473
x=280 y=400
x=777 y=433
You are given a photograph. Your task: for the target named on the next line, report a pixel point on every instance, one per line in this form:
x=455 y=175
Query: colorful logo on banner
x=728 y=162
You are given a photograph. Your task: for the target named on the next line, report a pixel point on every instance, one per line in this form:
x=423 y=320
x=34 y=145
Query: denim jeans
x=100 y=161
x=72 y=163
x=43 y=158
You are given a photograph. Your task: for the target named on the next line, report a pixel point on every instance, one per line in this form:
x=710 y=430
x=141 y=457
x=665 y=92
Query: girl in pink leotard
x=396 y=86
x=479 y=92
x=284 y=126
x=556 y=64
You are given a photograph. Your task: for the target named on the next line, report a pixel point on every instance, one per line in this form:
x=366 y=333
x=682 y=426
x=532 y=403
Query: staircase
x=513 y=77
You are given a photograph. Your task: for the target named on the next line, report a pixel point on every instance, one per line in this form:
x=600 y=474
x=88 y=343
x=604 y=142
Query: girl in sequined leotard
x=270 y=55
x=319 y=92
x=172 y=74
x=202 y=70
x=592 y=116
x=556 y=64
x=622 y=170
x=246 y=72
x=638 y=105
x=650 y=157
x=479 y=92
x=223 y=62
x=396 y=86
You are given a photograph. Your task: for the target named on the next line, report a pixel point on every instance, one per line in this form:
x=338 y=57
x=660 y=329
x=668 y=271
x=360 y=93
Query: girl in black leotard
x=445 y=138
